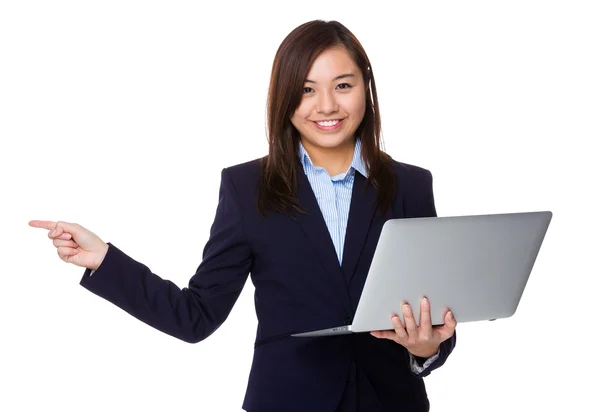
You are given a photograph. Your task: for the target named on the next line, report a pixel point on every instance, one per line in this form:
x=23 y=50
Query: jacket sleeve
x=193 y=313
x=428 y=210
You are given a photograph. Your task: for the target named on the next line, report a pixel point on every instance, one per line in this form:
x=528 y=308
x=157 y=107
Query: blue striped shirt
x=333 y=194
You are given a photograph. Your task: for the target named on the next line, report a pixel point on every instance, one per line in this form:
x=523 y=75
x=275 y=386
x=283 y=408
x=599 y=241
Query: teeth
x=328 y=123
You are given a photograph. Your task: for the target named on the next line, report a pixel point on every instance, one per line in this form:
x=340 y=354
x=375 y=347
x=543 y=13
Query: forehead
x=331 y=63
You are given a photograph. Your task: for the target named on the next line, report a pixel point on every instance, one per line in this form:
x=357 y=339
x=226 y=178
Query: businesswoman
x=304 y=222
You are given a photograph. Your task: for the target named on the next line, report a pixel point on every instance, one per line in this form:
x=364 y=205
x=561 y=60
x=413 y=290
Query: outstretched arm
x=192 y=313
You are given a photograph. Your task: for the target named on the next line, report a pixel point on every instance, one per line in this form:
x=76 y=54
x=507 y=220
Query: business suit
x=300 y=286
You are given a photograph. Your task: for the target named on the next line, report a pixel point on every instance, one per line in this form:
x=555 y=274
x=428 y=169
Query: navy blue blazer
x=299 y=286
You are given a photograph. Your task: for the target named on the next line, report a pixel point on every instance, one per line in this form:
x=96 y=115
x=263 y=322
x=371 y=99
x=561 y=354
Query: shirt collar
x=357 y=162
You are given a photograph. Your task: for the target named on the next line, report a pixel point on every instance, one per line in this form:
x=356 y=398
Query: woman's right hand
x=75 y=244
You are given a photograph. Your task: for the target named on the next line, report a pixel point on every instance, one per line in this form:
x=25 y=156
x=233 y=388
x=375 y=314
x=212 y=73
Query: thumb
x=80 y=235
x=446 y=330
x=62 y=227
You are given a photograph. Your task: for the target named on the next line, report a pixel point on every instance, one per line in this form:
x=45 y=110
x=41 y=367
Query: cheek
x=361 y=110
x=301 y=115
x=357 y=110
x=355 y=105
x=361 y=106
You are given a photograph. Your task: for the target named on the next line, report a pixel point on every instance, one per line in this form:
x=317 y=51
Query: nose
x=326 y=103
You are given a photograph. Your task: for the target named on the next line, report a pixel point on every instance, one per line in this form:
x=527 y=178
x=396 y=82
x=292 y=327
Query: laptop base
x=341 y=330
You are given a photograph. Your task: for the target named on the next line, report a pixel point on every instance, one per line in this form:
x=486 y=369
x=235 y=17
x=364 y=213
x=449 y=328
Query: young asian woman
x=304 y=222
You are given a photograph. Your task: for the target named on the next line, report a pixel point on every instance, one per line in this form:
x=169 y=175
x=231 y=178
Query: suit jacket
x=299 y=286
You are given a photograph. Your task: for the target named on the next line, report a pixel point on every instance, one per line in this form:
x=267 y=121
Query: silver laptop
x=477 y=266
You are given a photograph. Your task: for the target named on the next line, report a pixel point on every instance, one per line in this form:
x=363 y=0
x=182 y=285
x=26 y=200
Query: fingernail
x=451 y=315
x=406 y=309
x=396 y=322
x=52 y=232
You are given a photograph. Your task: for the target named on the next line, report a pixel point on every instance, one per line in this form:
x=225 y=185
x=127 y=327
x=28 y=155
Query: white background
x=120 y=115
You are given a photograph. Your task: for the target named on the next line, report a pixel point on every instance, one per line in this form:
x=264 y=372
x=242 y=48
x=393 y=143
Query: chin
x=329 y=142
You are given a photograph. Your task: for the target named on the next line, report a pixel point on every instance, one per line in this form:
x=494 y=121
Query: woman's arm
x=192 y=313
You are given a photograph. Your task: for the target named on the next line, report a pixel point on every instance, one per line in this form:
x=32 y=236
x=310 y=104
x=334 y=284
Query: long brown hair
x=295 y=56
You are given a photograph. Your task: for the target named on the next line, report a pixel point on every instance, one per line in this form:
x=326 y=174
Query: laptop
x=476 y=265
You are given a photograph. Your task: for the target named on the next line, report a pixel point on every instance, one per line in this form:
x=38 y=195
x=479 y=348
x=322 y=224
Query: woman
x=304 y=221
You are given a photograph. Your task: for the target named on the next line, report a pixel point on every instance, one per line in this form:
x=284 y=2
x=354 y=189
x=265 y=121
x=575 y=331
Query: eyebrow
x=341 y=76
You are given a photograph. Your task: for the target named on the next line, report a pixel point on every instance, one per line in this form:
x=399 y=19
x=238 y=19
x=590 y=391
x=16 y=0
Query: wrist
x=102 y=256
x=425 y=353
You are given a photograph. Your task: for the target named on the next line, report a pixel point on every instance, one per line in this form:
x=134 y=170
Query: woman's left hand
x=423 y=340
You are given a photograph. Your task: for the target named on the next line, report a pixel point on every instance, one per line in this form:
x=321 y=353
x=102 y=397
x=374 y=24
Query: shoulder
x=244 y=177
x=252 y=167
x=408 y=174
x=415 y=190
x=246 y=171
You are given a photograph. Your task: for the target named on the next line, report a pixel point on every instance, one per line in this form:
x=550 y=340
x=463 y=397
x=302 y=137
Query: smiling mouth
x=329 y=124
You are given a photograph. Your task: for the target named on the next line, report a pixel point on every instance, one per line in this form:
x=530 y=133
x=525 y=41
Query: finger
x=65 y=252
x=65 y=243
x=399 y=330
x=409 y=321
x=59 y=226
x=65 y=236
x=56 y=231
x=449 y=320
x=425 y=319
x=385 y=334
x=63 y=227
x=44 y=224
x=447 y=329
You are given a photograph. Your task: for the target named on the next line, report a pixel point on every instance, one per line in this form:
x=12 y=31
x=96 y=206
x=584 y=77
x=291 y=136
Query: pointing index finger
x=57 y=227
x=44 y=224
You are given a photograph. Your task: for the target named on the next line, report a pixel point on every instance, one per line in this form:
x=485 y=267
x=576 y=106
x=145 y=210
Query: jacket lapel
x=362 y=210
x=315 y=228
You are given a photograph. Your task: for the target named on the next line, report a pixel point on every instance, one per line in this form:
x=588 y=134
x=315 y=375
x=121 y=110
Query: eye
x=344 y=84
x=306 y=90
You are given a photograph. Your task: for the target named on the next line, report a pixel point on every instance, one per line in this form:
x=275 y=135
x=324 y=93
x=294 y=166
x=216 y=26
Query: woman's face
x=334 y=93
